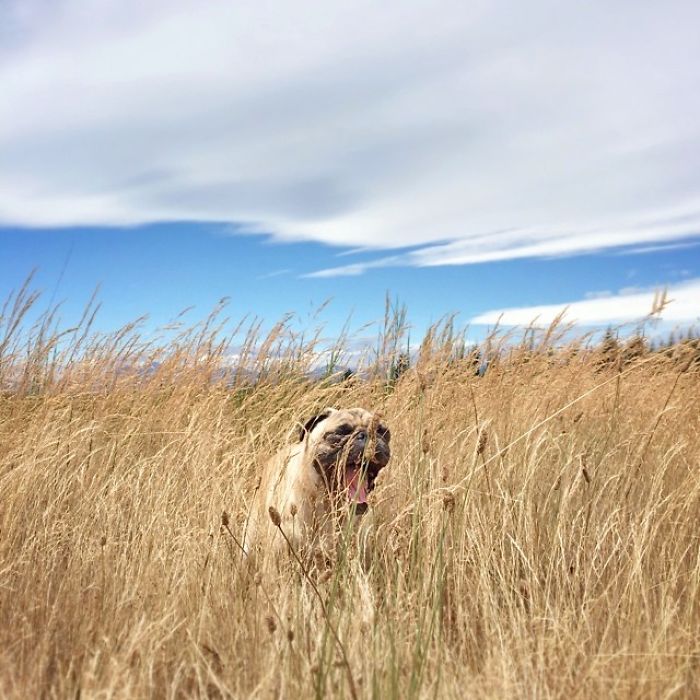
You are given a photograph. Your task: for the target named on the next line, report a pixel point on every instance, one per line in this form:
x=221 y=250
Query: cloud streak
x=508 y=245
x=508 y=129
x=625 y=307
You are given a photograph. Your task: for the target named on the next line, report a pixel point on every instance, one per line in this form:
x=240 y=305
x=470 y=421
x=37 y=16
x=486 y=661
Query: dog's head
x=348 y=448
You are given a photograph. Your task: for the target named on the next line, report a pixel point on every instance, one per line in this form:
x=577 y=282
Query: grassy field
x=536 y=534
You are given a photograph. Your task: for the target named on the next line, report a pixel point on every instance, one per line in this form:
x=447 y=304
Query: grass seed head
x=325 y=577
x=482 y=441
x=448 y=502
x=275 y=516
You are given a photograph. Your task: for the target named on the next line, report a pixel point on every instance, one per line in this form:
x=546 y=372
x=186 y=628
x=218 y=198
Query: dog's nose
x=361 y=436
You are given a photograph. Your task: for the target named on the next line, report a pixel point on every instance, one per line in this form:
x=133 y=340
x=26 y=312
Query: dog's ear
x=313 y=422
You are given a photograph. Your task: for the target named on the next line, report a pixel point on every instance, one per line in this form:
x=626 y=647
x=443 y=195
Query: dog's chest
x=309 y=498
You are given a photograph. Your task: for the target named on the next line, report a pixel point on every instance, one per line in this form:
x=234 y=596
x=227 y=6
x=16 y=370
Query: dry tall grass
x=535 y=534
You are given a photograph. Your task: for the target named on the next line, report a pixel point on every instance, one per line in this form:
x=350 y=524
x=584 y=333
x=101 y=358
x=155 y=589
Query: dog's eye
x=344 y=430
x=384 y=432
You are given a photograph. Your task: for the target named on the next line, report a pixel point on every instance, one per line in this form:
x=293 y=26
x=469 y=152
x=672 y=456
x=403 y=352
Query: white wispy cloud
x=660 y=248
x=628 y=305
x=509 y=129
x=539 y=242
x=274 y=273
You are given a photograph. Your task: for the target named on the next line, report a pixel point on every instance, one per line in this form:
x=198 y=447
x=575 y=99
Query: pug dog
x=326 y=476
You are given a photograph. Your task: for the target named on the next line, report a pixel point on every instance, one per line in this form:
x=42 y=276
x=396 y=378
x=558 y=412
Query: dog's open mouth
x=357 y=484
x=357 y=471
x=357 y=487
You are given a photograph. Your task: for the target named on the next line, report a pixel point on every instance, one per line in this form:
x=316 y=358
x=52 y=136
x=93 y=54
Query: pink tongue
x=357 y=487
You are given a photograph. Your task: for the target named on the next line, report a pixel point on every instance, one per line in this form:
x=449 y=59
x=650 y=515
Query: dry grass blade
x=277 y=522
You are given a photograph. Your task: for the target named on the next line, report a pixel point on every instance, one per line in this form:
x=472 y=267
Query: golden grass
x=535 y=534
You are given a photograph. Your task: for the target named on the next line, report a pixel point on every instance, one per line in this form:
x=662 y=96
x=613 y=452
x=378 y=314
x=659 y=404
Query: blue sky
x=489 y=159
x=162 y=269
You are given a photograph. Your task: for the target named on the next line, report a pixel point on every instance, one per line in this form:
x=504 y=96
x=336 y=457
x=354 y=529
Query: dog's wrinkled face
x=348 y=449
